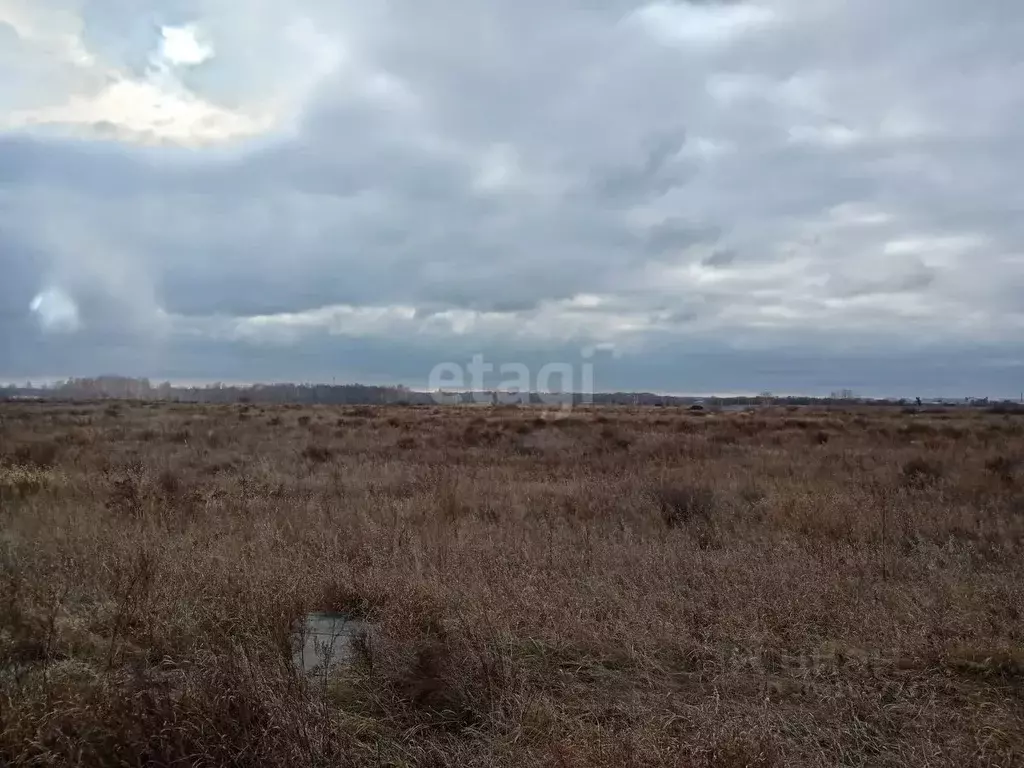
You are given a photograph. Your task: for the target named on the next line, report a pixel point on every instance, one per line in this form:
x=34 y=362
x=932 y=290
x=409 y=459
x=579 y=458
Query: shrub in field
x=921 y=471
x=1003 y=467
x=682 y=504
x=41 y=454
x=318 y=454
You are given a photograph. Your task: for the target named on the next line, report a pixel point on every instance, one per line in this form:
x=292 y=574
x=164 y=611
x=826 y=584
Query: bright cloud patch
x=80 y=91
x=704 y=23
x=181 y=46
x=56 y=311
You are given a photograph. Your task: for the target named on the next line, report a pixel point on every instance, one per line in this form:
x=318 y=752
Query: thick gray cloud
x=208 y=189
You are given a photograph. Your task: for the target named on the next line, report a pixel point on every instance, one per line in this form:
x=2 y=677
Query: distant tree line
x=127 y=388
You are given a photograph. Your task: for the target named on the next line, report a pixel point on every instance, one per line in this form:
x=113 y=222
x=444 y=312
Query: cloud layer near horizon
x=729 y=195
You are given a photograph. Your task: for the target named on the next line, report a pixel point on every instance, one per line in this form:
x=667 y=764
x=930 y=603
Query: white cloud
x=584 y=319
x=825 y=135
x=498 y=169
x=183 y=46
x=143 y=112
x=857 y=214
x=56 y=311
x=94 y=95
x=939 y=246
x=101 y=101
x=705 y=23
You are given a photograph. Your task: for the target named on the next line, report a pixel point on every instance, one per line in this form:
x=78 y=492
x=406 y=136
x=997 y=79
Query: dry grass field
x=620 y=587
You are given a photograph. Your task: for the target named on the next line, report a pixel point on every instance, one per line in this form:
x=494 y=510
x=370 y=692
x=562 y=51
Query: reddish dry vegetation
x=619 y=587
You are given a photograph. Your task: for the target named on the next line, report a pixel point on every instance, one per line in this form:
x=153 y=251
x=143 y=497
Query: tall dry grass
x=619 y=587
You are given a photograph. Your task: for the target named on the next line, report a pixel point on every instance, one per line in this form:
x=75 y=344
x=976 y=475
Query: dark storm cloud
x=722 y=257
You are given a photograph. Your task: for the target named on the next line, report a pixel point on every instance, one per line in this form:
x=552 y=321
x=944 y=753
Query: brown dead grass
x=618 y=587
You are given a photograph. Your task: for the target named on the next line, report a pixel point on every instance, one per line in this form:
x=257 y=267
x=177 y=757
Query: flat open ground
x=620 y=587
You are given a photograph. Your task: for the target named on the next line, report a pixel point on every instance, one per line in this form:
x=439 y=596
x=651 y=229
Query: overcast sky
x=715 y=196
